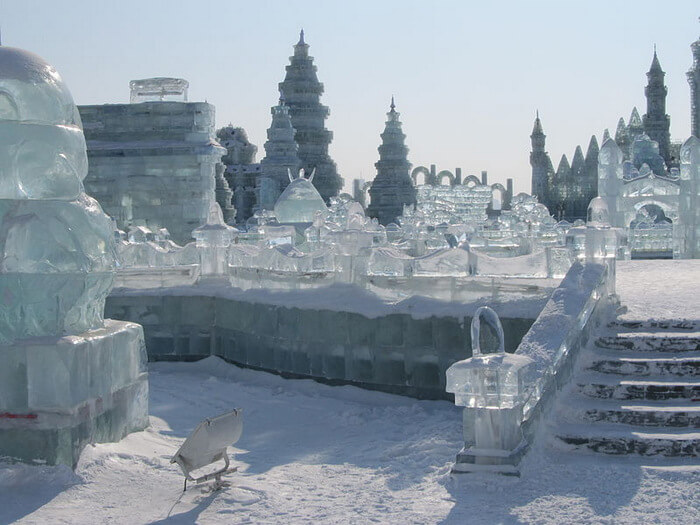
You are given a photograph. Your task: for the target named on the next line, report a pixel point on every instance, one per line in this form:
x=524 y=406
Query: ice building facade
x=68 y=377
x=302 y=91
x=659 y=210
x=152 y=162
x=567 y=190
x=392 y=188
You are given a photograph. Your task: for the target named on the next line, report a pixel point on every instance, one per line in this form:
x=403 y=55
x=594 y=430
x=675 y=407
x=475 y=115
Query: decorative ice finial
x=393 y=106
x=301 y=38
x=311 y=177
x=606 y=134
x=537 y=113
x=289 y=174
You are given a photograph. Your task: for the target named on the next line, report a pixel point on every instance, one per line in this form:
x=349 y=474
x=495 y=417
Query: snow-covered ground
x=315 y=453
x=664 y=289
x=321 y=454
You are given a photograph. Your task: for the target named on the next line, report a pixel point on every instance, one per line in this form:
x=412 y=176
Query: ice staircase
x=636 y=390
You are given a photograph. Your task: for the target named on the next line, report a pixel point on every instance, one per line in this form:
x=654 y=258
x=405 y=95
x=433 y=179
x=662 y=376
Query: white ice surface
x=311 y=453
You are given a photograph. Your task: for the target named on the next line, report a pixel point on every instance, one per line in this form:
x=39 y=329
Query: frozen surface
x=313 y=453
x=677 y=281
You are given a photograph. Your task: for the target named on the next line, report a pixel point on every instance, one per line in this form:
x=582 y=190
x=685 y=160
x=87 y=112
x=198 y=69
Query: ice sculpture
x=159 y=89
x=213 y=238
x=598 y=242
x=57 y=259
x=492 y=390
x=299 y=201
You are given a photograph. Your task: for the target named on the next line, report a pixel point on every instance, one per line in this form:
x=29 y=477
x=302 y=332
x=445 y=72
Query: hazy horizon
x=467 y=78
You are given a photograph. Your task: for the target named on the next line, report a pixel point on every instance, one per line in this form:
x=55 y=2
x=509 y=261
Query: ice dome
x=42 y=147
x=32 y=90
x=300 y=201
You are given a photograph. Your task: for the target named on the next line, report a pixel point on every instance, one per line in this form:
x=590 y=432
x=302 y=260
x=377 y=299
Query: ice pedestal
x=57 y=394
x=490 y=387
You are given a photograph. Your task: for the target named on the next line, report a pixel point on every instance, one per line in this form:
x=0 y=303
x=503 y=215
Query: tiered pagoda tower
x=302 y=92
x=281 y=155
x=694 y=81
x=392 y=188
x=656 y=121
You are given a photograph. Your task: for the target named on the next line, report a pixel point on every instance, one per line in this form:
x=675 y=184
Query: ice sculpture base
x=495 y=461
x=59 y=394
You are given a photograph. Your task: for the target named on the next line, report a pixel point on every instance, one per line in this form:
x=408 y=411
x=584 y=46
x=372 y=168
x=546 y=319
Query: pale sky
x=467 y=76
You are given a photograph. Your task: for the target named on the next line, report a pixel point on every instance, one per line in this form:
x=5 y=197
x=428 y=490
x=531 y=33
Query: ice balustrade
x=518 y=390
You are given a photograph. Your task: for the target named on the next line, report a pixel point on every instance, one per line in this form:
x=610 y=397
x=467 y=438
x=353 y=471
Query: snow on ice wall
x=66 y=377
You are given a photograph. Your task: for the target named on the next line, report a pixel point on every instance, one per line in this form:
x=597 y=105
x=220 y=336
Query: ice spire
x=392 y=188
x=606 y=135
x=656 y=121
x=302 y=93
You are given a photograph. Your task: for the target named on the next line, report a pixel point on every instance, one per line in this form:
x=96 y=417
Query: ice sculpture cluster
x=57 y=254
x=303 y=243
x=67 y=377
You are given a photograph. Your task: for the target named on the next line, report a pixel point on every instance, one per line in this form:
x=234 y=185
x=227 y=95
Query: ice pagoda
x=392 y=188
x=302 y=91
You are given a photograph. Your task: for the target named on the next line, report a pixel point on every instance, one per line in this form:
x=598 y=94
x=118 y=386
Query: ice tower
x=280 y=157
x=392 y=188
x=302 y=92
x=656 y=121
x=694 y=81
x=67 y=376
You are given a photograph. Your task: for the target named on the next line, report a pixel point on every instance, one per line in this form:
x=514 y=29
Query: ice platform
x=57 y=394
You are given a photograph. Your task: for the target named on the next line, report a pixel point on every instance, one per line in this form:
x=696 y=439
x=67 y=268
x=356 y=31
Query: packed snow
x=316 y=453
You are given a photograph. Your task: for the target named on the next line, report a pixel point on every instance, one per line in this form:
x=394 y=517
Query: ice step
x=643 y=367
x=679 y=324
x=617 y=440
x=651 y=341
x=674 y=414
x=654 y=389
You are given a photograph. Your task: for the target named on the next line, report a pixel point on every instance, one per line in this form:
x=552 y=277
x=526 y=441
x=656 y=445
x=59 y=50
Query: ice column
x=490 y=387
x=602 y=241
